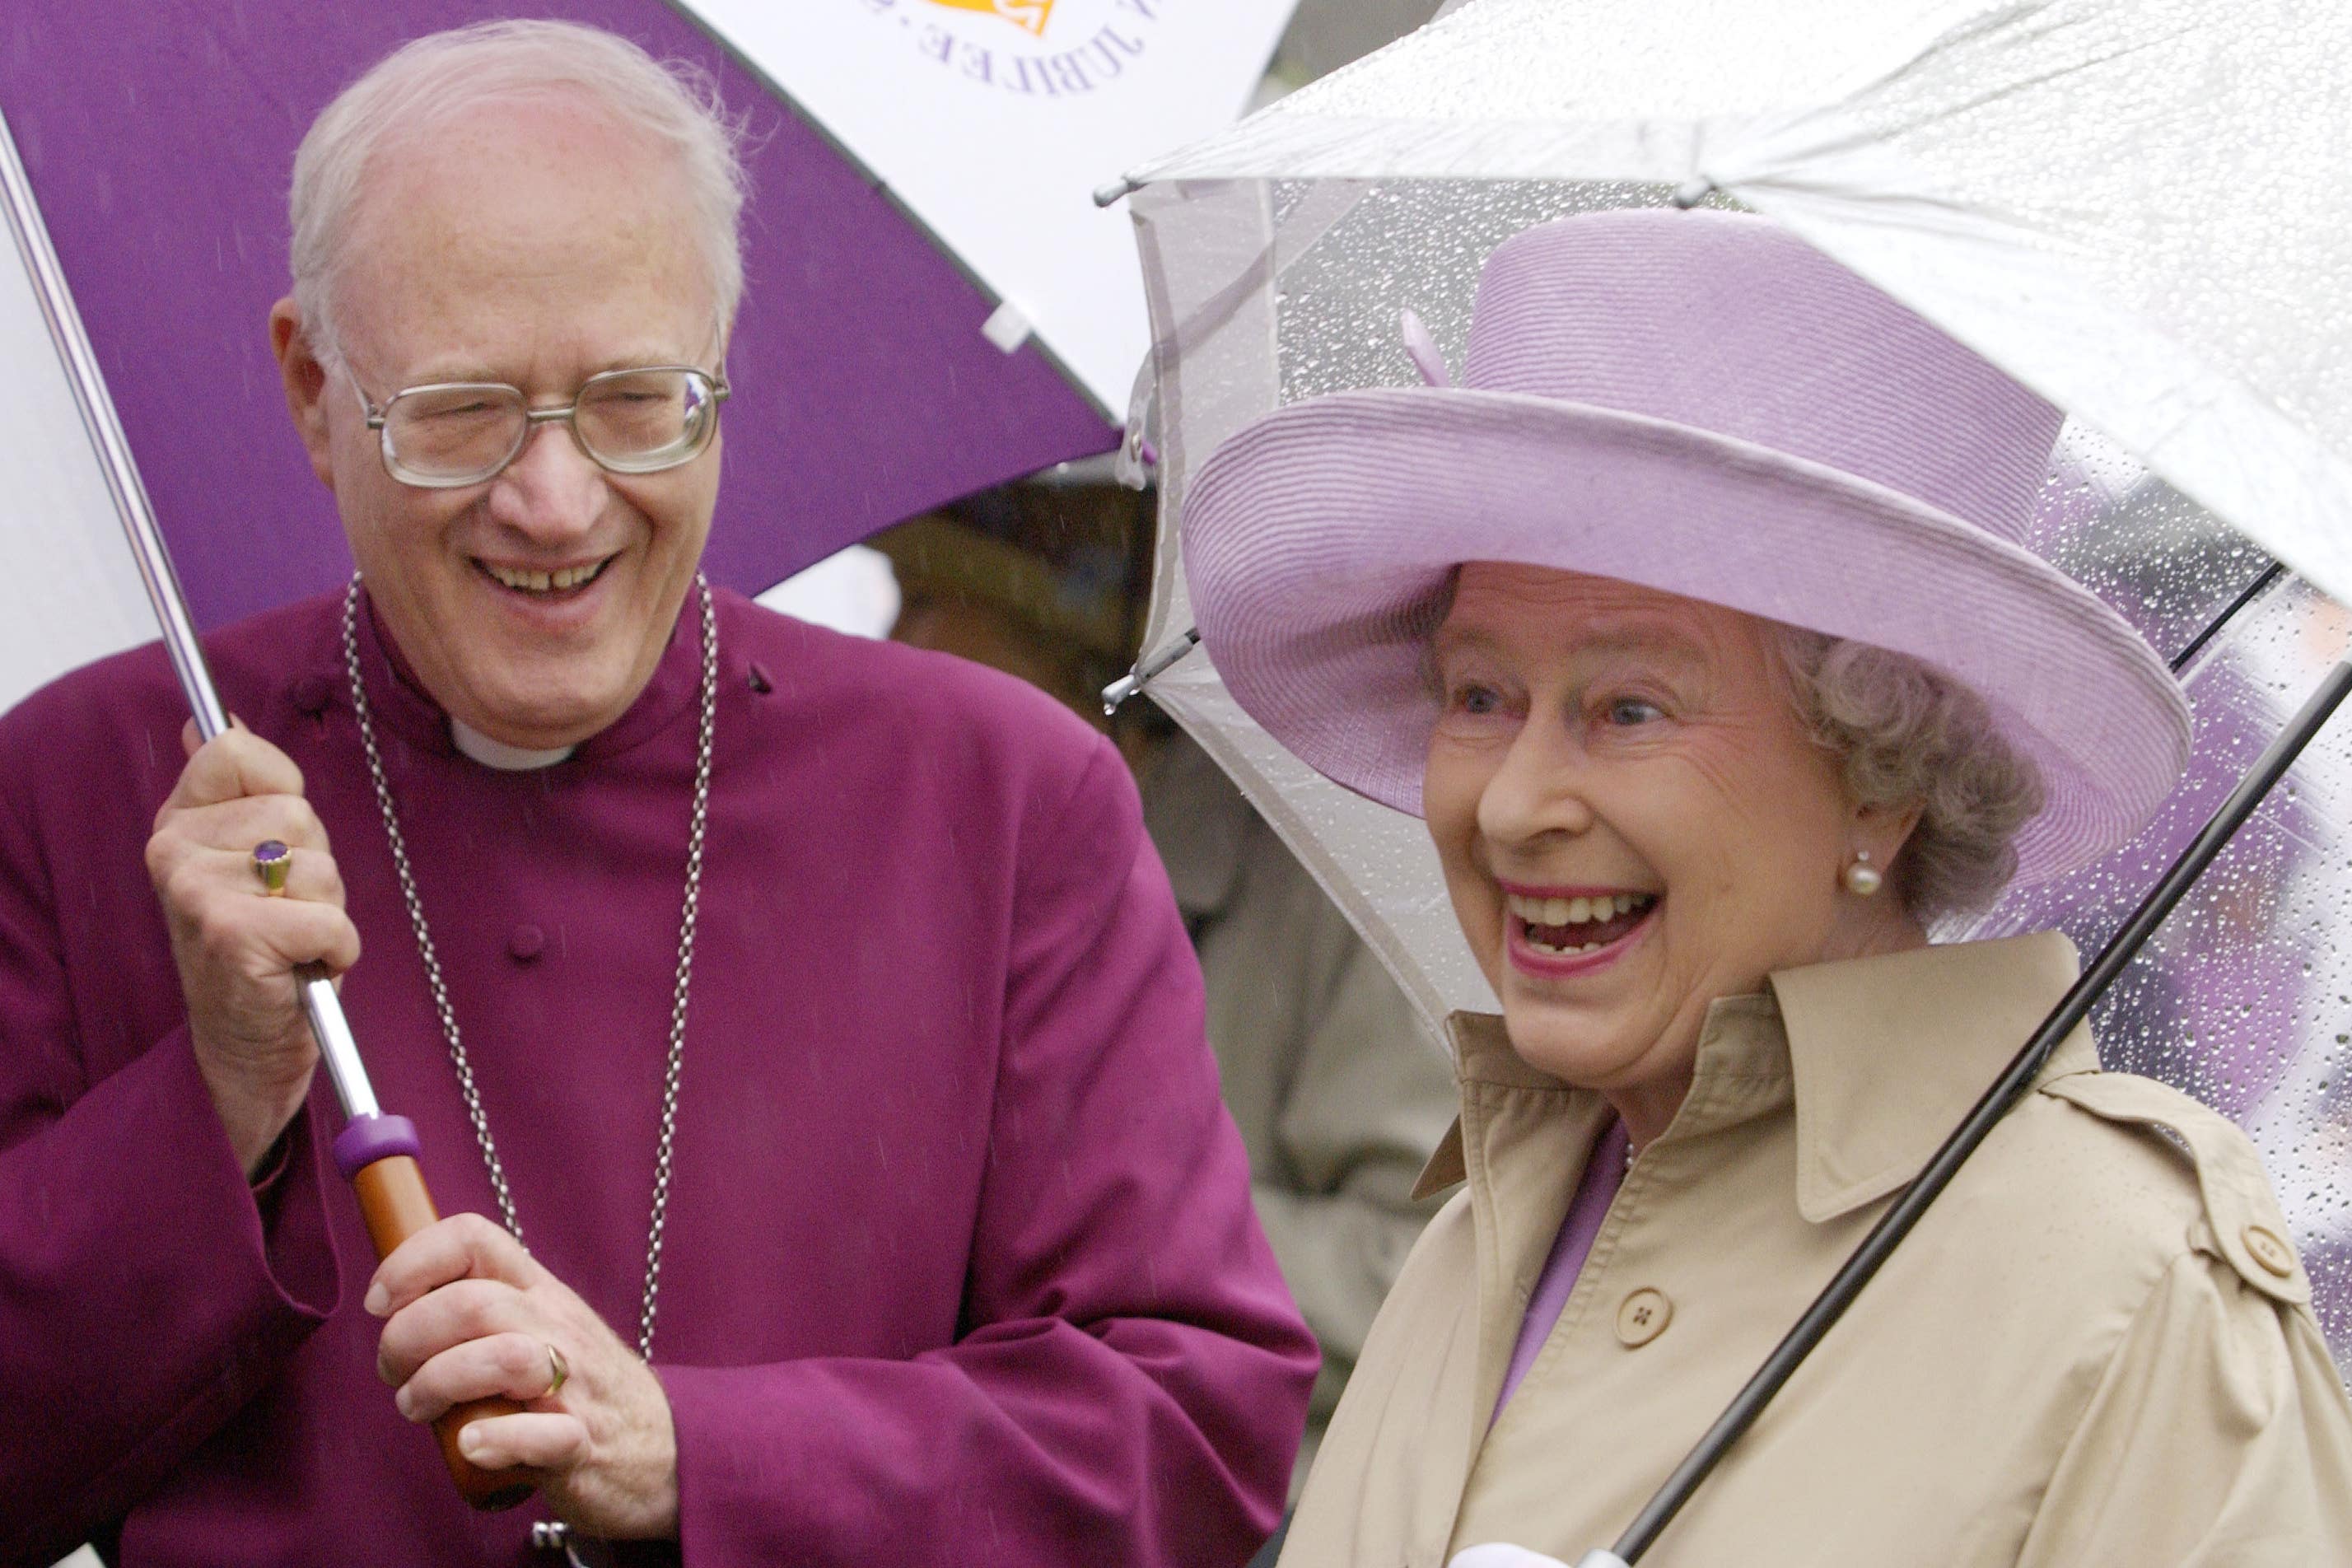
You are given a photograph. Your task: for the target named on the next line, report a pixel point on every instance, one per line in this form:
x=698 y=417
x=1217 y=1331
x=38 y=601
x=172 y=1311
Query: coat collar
x=1881 y=1056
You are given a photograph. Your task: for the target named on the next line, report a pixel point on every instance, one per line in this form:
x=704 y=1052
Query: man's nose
x=1537 y=790
x=551 y=489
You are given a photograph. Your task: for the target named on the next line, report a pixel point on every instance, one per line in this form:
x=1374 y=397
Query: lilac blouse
x=1604 y=1172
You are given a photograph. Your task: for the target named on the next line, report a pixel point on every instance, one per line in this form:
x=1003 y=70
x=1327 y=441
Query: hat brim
x=1318 y=542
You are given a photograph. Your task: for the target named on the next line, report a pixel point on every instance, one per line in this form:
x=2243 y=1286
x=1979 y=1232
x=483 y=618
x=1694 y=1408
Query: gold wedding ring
x=271 y=860
x=557 y=1372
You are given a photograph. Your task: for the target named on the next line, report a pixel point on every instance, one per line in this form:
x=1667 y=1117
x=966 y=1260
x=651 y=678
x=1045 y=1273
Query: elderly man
x=814 y=1012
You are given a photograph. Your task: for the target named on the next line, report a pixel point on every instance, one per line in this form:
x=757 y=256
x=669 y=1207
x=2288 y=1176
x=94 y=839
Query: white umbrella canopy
x=2137 y=208
x=68 y=597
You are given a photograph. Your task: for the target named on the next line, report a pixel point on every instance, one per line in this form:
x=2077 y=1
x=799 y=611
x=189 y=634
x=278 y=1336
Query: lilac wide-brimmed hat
x=1698 y=403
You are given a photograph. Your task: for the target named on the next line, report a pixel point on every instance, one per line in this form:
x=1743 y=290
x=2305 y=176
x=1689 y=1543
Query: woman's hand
x=469 y=1315
x=237 y=947
x=1496 y=1555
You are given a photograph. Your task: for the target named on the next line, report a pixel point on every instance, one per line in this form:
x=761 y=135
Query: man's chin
x=537 y=722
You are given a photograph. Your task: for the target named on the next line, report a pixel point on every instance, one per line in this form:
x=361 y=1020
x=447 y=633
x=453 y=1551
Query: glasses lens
x=443 y=435
x=639 y=420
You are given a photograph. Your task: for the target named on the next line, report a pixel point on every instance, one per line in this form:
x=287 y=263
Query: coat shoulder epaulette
x=2241 y=1222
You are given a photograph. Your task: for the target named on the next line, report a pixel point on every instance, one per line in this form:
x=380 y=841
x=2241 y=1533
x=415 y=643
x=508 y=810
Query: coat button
x=1642 y=1317
x=311 y=694
x=527 y=944
x=2270 y=1249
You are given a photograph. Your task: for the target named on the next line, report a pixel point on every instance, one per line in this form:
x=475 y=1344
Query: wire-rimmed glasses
x=446 y=435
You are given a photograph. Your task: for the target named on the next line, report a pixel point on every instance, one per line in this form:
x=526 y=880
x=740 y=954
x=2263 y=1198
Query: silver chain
x=465 y=1086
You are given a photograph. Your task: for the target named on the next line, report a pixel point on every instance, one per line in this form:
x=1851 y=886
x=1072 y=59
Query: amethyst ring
x=271 y=860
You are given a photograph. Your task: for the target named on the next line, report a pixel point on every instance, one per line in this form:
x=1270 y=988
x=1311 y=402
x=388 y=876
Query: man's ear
x=306 y=387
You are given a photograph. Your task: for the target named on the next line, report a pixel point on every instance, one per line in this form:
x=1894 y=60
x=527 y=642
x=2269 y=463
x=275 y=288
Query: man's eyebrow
x=474 y=371
x=643 y=357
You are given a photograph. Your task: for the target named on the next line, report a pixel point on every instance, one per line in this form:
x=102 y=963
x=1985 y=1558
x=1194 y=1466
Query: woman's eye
x=1630 y=710
x=1476 y=700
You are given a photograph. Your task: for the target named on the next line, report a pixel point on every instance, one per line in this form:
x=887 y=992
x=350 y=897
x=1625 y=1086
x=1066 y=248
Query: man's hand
x=469 y=1315
x=235 y=947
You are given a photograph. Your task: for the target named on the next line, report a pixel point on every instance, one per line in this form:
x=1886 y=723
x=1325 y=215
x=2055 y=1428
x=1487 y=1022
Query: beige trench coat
x=2098 y=1348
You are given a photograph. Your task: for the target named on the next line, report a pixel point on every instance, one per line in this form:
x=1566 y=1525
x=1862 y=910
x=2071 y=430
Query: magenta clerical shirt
x=959 y=1267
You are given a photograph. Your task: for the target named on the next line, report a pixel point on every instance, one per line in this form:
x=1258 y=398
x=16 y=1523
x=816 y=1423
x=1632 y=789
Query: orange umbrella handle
x=396 y=1206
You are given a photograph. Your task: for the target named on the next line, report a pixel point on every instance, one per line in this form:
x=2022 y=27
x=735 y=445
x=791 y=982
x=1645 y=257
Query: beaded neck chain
x=684 y=946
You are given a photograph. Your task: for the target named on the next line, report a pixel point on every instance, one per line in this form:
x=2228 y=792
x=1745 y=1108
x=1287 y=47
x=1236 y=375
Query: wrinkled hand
x=469 y=1315
x=237 y=949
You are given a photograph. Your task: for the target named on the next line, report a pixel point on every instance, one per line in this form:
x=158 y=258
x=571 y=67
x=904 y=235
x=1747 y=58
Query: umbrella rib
x=2011 y=1085
x=2252 y=591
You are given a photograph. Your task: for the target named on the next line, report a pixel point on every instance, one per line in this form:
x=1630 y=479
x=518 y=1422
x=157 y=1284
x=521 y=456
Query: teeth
x=544 y=581
x=1577 y=911
x=1578 y=950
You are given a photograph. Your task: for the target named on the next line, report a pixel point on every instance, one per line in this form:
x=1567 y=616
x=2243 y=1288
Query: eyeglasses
x=452 y=434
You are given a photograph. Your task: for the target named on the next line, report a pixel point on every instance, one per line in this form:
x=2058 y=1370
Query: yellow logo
x=1027 y=14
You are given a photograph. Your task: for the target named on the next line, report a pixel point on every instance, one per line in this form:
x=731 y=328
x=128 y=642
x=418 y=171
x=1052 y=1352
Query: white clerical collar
x=498 y=755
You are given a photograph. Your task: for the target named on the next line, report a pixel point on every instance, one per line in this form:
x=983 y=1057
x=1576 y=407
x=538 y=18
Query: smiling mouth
x=1562 y=928
x=545 y=583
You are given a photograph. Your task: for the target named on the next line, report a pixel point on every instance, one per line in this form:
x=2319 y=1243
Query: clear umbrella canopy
x=2135 y=208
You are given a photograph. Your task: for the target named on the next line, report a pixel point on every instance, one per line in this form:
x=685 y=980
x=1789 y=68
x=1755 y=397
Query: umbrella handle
x=396 y=1206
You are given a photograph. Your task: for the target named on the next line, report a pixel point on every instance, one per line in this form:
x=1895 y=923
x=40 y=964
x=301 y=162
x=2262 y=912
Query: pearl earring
x=1860 y=876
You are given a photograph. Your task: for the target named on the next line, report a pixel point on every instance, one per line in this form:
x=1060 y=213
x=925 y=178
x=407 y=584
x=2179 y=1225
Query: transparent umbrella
x=2136 y=208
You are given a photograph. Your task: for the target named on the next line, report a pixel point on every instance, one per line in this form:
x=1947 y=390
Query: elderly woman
x=1696 y=623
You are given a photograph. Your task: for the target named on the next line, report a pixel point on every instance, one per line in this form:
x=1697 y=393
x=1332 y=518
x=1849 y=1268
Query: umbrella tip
x=1427 y=357
x=1117 y=190
x=1692 y=191
x=1147 y=672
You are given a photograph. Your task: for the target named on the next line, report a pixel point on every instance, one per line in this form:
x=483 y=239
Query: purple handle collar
x=364 y=1140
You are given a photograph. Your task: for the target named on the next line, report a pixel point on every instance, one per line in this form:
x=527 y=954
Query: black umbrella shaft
x=2011 y=1085
x=2269 y=575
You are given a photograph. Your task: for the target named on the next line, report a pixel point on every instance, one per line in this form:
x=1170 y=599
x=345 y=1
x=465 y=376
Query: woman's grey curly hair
x=1907 y=734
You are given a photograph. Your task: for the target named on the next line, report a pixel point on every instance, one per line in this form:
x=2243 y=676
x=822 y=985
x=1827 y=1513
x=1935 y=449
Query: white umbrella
x=2044 y=179
x=67 y=596
x=2139 y=209
x=992 y=120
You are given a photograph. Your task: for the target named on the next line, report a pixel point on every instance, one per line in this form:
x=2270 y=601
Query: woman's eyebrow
x=1595 y=640
x=1669 y=643
x=1672 y=646
x=1455 y=639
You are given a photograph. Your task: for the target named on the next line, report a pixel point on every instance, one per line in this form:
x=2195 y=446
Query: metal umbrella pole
x=2015 y=1081
x=376 y=1152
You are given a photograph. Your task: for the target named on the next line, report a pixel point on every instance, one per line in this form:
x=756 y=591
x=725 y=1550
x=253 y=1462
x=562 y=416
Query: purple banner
x=159 y=136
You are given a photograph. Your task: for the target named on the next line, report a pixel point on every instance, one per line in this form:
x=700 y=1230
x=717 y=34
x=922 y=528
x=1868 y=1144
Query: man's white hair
x=432 y=80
